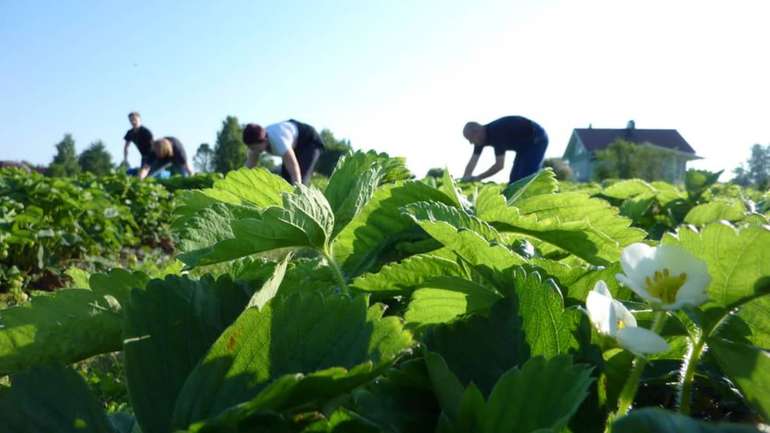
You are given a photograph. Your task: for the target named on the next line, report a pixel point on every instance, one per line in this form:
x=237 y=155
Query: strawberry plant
x=385 y=304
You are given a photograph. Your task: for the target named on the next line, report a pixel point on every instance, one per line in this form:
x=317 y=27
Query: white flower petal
x=693 y=292
x=602 y=289
x=638 y=262
x=622 y=314
x=600 y=311
x=641 y=341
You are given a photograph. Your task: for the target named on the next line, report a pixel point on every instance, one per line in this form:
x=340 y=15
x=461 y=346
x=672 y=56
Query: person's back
x=516 y=133
x=298 y=144
x=167 y=151
x=510 y=133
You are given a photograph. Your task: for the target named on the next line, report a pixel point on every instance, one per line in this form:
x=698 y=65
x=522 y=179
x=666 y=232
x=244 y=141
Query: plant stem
x=688 y=374
x=628 y=393
x=336 y=271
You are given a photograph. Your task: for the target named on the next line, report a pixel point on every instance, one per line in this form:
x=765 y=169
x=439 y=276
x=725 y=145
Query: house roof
x=597 y=139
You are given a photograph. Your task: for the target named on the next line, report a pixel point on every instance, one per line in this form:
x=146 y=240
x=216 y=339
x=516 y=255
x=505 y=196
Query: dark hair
x=134 y=114
x=253 y=134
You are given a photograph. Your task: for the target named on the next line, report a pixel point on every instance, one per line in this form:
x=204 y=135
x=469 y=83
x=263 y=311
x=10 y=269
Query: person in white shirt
x=298 y=144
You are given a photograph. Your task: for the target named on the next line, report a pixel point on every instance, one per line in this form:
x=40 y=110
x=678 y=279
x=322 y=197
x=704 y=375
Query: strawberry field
x=381 y=303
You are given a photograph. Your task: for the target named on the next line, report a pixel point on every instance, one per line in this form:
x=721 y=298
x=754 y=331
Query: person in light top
x=517 y=133
x=298 y=144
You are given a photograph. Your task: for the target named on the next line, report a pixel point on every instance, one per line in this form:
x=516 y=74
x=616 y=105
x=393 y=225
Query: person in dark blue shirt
x=516 y=133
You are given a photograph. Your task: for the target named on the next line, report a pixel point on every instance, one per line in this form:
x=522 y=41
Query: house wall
x=579 y=160
x=582 y=168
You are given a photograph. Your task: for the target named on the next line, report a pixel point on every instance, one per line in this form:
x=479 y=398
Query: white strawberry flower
x=666 y=276
x=612 y=318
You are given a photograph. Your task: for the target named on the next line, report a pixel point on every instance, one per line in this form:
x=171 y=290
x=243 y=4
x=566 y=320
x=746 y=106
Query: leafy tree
x=756 y=170
x=204 y=158
x=229 y=151
x=741 y=176
x=96 y=159
x=624 y=159
x=65 y=163
x=759 y=166
x=334 y=148
x=560 y=168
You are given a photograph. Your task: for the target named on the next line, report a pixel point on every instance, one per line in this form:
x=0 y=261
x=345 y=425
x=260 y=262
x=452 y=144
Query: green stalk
x=628 y=393
x=688 y=374
x=336 y=271
x=691 y=361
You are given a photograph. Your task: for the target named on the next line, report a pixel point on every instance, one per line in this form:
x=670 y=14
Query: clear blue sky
x=396 y=76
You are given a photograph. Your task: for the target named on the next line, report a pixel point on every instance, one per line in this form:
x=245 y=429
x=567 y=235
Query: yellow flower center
x=621 y=324
x=665 y=286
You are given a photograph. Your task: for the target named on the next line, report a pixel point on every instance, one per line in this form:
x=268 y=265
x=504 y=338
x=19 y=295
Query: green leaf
x=578 y=206
x=577 y=237
x=68 y=325
x=540 y=396
x=749 y=368
x=210 y=225
x=465 y=235
x=79 y=278
x=456 y=217
x=716 y=211
x=698 y=181
x=355 y=179
x=306 y=220
x=169 y=326
x=343 y=421
x=442 y=299
x=451 y=190
x=401 y=400
x=270 y=288
x=379 y=225
x=250 y=188
x=52 y=399
x=549 y=329
x=654 y=420
x=262 y=357
x=544 y=394
x=736 y=260
x=541 y=183
x=255 y=187
x=756 y=316
x=448 y=388
x=407 y=275
x=531 y=322
x=627 y=189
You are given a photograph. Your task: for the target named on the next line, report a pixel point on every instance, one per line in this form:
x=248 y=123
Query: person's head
x=162 y=148
x=135 y=119
x=255 y=137
x=475 y=133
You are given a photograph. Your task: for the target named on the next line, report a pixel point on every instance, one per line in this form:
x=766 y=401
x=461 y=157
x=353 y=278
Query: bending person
x=168 y=151
x=523 y=136
x=298 y=144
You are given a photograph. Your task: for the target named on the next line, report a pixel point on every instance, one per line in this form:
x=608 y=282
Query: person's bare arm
x=188 y=168
x=252 y=157
x=496 y=167
x=144 y=171
x=292 y=166
x=471 y=166
x=125 y=151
